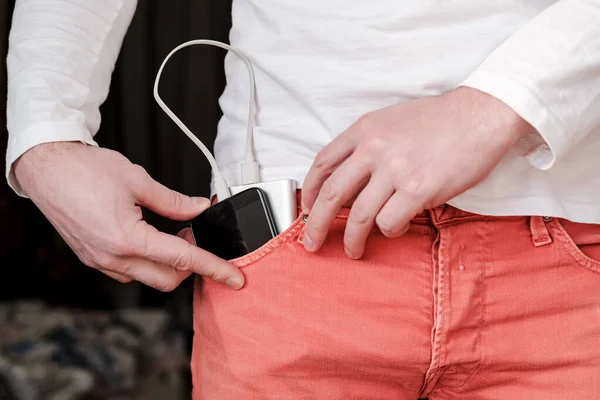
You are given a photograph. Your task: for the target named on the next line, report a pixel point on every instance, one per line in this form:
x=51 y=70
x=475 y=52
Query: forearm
x=549 y=73
x=60 y=60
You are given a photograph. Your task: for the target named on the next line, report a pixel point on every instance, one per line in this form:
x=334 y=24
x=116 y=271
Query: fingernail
x=308 y=243
x=201 y=201
x=304 y=209
x=235 y=282
x=350 y=255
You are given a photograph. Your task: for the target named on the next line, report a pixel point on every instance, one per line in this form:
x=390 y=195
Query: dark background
x=34 y=261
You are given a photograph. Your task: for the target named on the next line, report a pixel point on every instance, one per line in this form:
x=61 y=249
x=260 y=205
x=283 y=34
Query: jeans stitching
x=435 y=371
x=571 y=248
x=435 y=236
x=486 y=265
x=269 y=248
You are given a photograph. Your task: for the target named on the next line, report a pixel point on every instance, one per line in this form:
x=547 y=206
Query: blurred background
x=66 y=331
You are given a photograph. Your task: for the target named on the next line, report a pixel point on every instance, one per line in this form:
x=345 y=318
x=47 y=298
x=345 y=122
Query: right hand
x=93 y=197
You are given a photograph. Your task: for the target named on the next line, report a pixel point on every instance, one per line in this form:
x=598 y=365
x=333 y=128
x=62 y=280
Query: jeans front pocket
x=289 y=235
x=579 y=241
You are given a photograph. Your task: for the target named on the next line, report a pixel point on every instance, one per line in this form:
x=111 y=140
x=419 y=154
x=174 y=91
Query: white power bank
x=282 y=199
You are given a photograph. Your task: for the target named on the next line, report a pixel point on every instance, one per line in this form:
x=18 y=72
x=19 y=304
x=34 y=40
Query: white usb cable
x=281 y=193
x=249 y=169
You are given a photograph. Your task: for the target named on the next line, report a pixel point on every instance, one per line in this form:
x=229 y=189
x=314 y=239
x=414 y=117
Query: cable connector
x=221 y=188
x=250 y=173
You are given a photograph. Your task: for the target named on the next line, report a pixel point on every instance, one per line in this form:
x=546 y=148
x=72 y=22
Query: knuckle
x=138 y=171
x=329 y=191
x=111 y=263
x=321 y=162
x=374 y=144
x=415 y=187
x=183 y=261
x=97 y=260
x=397 y=164
x=360 y=216
x=125 y=268
x=115 y=240
x=132 y=242
x=366 y=123
x=214 y=275
x=177 y=199
x=217 y=276
x=125 y=247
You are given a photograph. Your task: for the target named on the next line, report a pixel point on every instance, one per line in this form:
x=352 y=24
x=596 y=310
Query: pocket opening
x=562 y=236
x=287 y=236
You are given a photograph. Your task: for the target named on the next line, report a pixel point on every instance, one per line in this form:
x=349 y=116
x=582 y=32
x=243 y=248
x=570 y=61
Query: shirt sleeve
x=60 y=60
x=548 y=72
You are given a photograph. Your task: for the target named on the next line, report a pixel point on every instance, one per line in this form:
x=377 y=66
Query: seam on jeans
x=485 y=239
x=434 y=396
x=459 y=220
x=445 y=301
x=438 y=352
x=434 y=280
x=435 y=376
x=440 y=320
x=276 y=243
x=198 y=289
x=430 y=373
x=423 y=229
x=503 y=199
x=571 y=248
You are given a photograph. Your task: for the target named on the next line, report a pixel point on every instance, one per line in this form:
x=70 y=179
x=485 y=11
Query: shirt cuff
x=541 y=148
x=37 y=134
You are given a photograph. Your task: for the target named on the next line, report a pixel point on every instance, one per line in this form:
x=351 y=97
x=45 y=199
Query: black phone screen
x=236 y=226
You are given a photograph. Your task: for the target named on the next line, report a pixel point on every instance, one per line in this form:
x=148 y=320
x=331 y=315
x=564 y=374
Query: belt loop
x=539 y=231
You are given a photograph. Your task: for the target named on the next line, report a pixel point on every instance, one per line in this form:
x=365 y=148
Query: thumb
x=169 y=203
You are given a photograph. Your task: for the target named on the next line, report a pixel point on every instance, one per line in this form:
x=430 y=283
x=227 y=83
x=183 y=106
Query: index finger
x=341 y=186
x=178 y=253
x=328 y=159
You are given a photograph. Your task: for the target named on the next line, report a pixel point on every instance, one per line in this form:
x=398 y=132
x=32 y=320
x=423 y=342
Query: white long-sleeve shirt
x=321 y=64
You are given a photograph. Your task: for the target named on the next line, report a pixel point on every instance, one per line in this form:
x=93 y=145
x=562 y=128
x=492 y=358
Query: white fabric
x=321 y=64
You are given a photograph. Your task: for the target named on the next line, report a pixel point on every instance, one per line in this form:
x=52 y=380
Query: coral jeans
x=463 y=306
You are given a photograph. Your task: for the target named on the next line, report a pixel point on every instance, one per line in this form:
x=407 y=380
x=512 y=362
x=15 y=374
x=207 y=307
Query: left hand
x=401 y=160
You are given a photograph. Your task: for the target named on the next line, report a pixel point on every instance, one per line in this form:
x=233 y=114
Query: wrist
x=38 y=157
x=492 y=116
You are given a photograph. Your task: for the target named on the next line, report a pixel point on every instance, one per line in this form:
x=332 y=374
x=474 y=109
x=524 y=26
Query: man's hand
x=401 y=160
x=93 y=197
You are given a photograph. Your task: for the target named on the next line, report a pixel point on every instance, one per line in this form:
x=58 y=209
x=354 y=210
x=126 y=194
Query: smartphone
x=235 y=226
